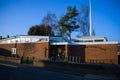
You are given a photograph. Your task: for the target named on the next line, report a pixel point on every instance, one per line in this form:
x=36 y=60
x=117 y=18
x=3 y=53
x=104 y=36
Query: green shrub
x=26 y=61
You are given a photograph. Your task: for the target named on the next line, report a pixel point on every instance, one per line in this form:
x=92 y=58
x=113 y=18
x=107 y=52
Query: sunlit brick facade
x=92 y=52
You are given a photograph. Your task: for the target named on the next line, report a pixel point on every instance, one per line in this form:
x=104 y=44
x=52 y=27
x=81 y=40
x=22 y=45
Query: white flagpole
x=90 y=6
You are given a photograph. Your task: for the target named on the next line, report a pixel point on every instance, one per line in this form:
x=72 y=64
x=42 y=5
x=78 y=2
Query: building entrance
x=57 y=52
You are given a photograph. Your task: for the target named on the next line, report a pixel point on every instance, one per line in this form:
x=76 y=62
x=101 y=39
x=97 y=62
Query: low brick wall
x=103 y=69
x=10 y=59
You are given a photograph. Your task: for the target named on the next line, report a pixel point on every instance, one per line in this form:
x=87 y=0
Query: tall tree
x=68 y=21
x=51 y=20
x=41 y=30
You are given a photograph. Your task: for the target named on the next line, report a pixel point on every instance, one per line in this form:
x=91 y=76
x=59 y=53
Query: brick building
x=88 y=49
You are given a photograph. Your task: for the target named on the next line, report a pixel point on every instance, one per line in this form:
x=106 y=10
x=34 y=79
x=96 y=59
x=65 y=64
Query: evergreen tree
x=68 y=22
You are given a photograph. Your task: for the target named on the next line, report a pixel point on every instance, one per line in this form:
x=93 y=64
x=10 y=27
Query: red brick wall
x=37 y=50
x=77 y=51
x=104 y=53
x=5 y=49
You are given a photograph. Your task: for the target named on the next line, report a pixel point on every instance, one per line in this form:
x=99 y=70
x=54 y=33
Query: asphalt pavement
x=29 y=72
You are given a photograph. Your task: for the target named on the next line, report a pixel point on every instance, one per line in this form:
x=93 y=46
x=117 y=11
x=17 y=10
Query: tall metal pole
x=90 y=6
x=46 y=28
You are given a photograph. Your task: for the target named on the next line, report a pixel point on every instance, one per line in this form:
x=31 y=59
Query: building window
x=14 y=50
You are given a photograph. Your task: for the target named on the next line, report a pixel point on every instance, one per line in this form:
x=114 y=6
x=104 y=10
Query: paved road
x=24 y=72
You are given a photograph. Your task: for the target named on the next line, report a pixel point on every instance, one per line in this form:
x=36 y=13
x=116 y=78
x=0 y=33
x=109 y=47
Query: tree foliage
x=51 y=19
x=68 y=22
x=71 y=21
x=42 y=30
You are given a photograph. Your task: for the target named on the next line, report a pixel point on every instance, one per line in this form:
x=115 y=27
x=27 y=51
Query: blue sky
x=17 y=16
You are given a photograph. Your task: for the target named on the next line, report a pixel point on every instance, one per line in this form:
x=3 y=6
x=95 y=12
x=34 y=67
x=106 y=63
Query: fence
x=112 y=61
x=70 y=59
x=74 y=59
